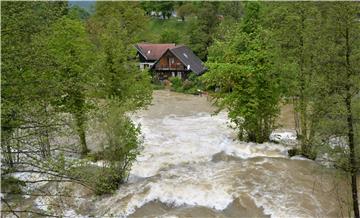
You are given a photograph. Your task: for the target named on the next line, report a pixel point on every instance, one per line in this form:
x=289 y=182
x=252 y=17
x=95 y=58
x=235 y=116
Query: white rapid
x=192 y=166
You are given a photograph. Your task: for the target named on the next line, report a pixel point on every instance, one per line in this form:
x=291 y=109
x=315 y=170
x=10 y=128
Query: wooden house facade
x=174 y=61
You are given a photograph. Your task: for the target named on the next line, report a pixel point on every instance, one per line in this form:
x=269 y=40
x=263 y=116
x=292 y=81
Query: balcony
x=173 y=67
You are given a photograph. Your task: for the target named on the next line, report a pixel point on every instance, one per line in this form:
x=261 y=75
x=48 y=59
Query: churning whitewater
x=191 y=165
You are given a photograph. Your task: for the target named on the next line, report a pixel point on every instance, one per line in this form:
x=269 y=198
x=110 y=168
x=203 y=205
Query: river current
x=192 y=165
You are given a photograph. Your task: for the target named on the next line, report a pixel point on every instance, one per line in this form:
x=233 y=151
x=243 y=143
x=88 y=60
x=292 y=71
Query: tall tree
x=71 y=52
x=340 y=61
x=185 y=9
x=116 y=27
x=19 y=84
x=202 y=29
x=296 y=35
x=241 y=68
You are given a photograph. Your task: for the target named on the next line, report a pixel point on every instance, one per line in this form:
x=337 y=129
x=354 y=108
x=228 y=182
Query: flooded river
x=192 y=166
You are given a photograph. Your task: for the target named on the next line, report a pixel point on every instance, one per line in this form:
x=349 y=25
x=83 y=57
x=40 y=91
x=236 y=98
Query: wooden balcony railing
x=170 y=67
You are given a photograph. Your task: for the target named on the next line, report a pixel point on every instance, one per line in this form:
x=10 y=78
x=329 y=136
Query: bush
x=120 y=149
x=176 y=84
x=191 y=85
x=108 y=181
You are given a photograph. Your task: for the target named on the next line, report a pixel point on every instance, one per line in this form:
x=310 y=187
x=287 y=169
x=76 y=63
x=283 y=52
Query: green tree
x=163 y=8
x=69 y=48
x=118 y=75
x=202 y=29
x=241 y=68
x=185 y=9
x=76 y=12
x=122 y=87
x=296 y=32
x=232 y=9
x=170 y=36
x=339 y=83
x=20 y=85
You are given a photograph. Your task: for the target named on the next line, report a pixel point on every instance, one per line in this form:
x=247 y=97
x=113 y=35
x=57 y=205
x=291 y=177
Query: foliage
x=118 y=75
x=244 y=74
x=169 y=36
x=185 y=9
x=71 y=52
x=201 y=29
x=56 y=70
x=191 y=85
x=176 y=83
x=120 y=148
x=161 y=8
x=10 y=184
x=76 y=12
x=296 y=32
x=122 y=141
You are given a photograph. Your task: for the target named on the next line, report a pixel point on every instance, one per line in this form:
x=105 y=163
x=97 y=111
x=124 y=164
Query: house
x=173 y=61
x=149 y=53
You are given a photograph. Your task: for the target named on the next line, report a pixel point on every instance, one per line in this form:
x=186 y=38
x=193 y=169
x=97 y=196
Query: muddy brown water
x=192 y=166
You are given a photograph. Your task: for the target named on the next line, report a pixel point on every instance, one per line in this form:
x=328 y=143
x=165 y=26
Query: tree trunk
x=303 y=102
x=80 y=124
x=353 y=167
x=5 y=144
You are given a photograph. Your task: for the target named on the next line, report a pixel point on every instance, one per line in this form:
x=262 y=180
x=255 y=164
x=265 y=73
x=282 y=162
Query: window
x=185 y=55
x=179 y=74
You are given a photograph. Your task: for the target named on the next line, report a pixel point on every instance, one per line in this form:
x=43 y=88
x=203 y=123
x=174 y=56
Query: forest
x=71 y=86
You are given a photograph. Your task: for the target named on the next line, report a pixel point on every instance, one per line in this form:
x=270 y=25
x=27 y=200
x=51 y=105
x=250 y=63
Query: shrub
x=108 y=180
x=191 y=85
x=176 y=84
x=120 y=149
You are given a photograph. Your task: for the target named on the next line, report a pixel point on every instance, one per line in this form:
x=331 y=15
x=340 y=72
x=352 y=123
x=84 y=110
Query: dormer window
x=185 y=55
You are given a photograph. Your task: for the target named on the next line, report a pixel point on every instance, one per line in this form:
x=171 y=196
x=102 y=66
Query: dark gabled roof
x=153 y=52
x=188 y=58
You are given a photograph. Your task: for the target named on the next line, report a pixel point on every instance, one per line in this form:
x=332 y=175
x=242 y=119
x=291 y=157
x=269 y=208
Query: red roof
x=153 y=51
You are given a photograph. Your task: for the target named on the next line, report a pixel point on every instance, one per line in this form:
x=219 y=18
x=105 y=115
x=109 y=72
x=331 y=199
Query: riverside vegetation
x=67 y=73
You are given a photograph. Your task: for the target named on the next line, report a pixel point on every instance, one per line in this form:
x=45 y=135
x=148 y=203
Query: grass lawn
x=172 y=27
